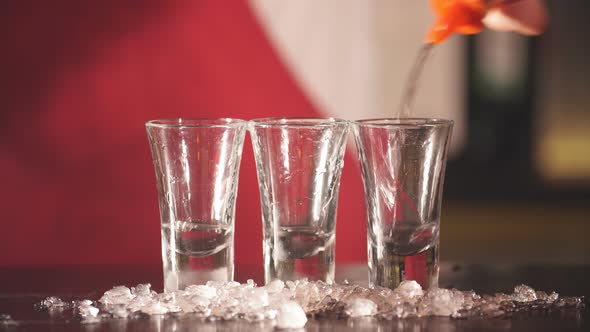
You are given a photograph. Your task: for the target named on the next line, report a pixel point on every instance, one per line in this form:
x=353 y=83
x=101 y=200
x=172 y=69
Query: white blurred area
x=352 y=57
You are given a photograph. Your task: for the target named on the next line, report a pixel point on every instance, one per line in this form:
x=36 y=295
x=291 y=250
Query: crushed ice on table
x=359 y=307
x=290 y=303
x=6 y=320
x=291 y=316
x=53 y=302
x=88 y=312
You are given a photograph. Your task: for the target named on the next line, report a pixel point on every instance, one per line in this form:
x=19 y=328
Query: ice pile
x=290 y=316
x=6 y=321
x=53 y=302
x=289 y=304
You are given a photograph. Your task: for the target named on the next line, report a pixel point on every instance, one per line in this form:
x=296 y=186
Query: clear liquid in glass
x=407 y=251
x=194 y=253
x=300 y=252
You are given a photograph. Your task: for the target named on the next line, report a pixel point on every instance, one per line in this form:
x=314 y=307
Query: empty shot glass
x=403 y=167
x=197 y=164
x=299 y=162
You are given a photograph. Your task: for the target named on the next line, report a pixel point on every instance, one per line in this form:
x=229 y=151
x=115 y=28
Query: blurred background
x=520 y=187
x=78 y=81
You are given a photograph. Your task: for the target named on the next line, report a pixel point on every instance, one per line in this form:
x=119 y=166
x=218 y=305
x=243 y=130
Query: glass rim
x=403 y=122
x=196 y=123
x=271 y=122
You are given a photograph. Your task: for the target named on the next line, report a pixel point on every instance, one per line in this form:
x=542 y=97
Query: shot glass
x=299 y=162
x=197 y=165
x=403 y=167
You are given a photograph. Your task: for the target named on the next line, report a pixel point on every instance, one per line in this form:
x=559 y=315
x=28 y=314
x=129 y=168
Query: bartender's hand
x=528 y=17
x=470 y=16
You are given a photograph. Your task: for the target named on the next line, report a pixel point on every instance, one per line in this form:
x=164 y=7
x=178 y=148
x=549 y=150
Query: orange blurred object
x=456 y=16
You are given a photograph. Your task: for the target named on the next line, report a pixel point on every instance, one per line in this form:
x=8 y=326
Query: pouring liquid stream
x=413 y=251
x=413 y=81
x=457 y=16
x=417 y=264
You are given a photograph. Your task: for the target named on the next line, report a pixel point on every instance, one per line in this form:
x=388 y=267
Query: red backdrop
x=78 y=81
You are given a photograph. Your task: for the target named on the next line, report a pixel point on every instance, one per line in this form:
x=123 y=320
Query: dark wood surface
x=21 y=288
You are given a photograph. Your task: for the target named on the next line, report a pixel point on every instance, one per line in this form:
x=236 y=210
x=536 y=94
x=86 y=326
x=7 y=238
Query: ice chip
x=441 y=302
x=258 y=298
x=185 y=305
x=541 y=295
x=119 y=311
x=90 y=320
x=270 y=313
x=201 y=290
x=409 y=289
x=138 y=302
x=489 y=307
x=88 y=311
x=53 y=302
x=500 y=298
x=307 y=294
x=290 y=284
x=404 y=310
x=524 y=293
x=222 y=284
x=359 y=307
x=83 y=302
x=290 y=316
x=255 y=316
x=154 y=308
x=7 y=321
x=168 y=301
x=199 y=302
x=117 y=295
x=470 y=298
x=141 y=289
x=275 y=286
x=552 y=297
